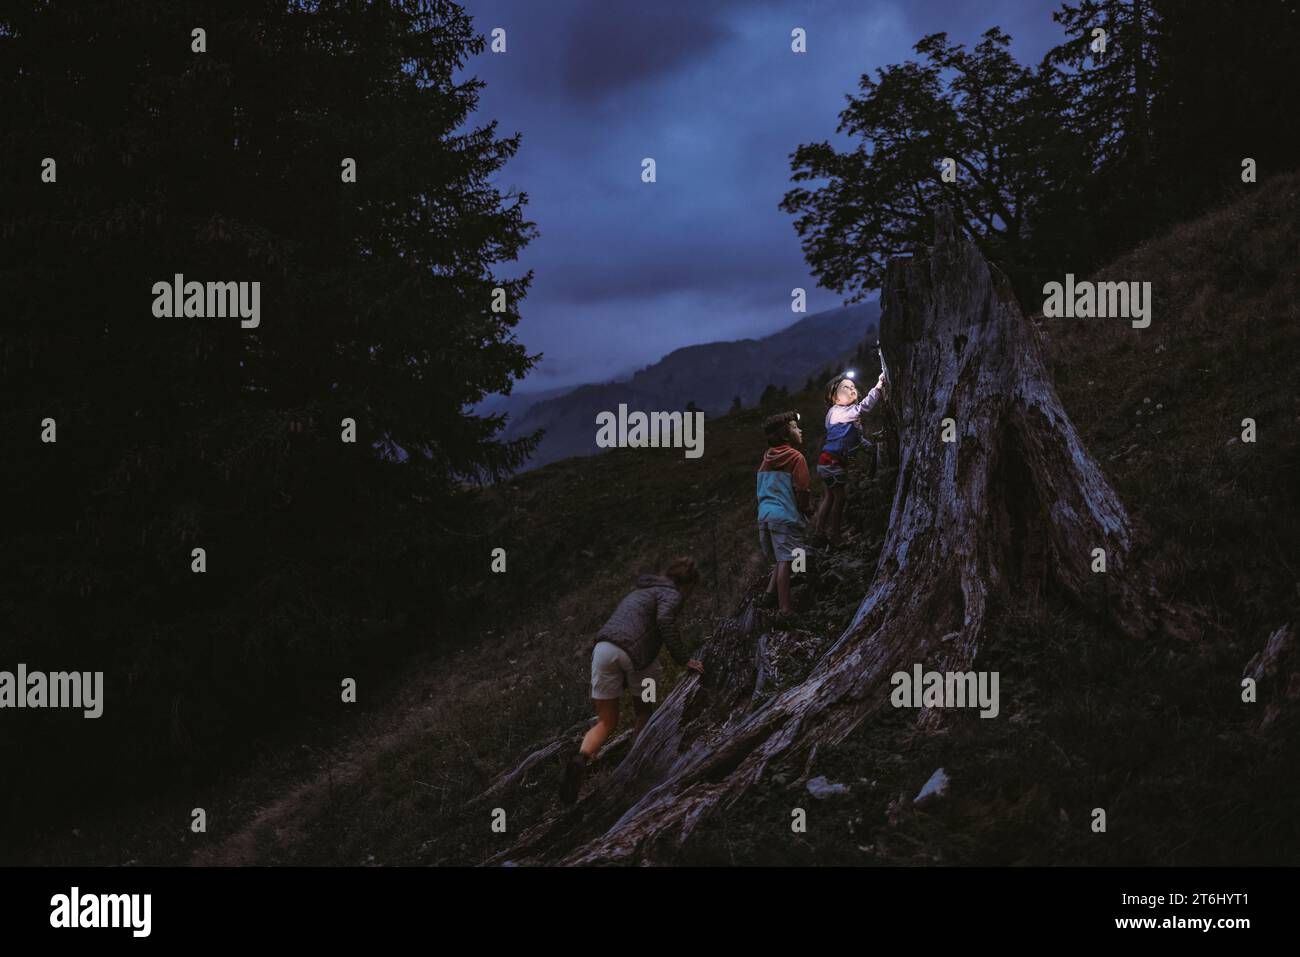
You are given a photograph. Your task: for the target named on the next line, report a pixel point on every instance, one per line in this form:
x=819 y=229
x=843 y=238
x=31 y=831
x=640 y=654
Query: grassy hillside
x=1154 y=733
x=582 y=530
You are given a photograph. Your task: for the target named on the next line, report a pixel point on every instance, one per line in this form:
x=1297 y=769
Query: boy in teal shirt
x=784 y=489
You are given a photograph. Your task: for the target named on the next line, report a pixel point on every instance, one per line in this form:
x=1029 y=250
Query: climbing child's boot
x=574 y=771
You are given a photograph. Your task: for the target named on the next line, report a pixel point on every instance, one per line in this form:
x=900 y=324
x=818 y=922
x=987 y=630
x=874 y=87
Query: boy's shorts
x=833 y=475
x=611 y=672
x=779 y=539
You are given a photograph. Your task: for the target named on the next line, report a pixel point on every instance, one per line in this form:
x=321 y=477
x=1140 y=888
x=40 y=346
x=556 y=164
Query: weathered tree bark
x=1014 y=505
x=564 y=744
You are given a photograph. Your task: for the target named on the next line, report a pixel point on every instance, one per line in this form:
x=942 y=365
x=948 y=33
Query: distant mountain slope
x=519 y=402
x=710 y=375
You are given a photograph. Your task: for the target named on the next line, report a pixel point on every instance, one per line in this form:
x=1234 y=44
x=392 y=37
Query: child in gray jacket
x=625 y=655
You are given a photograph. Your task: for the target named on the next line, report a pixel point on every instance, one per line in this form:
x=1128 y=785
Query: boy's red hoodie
x=783 y=485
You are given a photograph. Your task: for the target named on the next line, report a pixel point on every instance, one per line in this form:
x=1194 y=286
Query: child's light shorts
x=779 y=539
x=833 y=476
x=611 y=672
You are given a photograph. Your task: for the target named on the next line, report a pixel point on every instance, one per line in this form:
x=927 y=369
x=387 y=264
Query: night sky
x=627 y=271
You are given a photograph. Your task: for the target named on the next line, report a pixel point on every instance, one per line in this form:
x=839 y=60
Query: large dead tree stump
x=1013 y=506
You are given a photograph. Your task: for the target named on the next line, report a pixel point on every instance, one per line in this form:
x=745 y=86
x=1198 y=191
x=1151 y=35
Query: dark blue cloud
x=627 y=271
x=615 y=45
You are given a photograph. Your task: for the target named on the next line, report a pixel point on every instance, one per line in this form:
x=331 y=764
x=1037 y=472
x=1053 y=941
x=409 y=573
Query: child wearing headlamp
x=783 y=503
x=843 y=435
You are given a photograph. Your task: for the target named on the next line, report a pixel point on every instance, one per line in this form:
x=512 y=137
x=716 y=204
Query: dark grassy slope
x=1154 y=733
